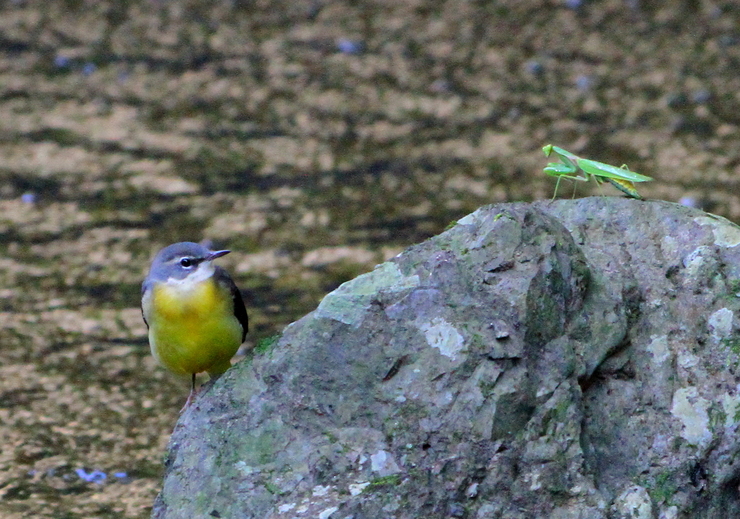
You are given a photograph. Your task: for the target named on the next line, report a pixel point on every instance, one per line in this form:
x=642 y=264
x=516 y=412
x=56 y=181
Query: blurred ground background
x=314 y=139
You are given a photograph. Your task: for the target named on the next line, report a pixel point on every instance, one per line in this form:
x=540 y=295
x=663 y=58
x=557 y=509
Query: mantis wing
x=601 y=169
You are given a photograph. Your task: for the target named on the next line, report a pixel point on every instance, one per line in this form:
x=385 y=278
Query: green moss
x=734 y=286
x=732 y=343
x=486 y=387
x=266 y=344
x=717 y=417
x=662 y=488
x=561 y=410
x=331 y=437
x=392 y=480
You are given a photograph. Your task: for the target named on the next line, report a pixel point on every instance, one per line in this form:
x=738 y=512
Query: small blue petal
x=701 y=97
x=88 y=68
x=346 y=46
x=584 y=82
x=120 y=475
x=96 y=476
x=534 y=67
x=28 y=198
x=440 y=85
x=61 y=61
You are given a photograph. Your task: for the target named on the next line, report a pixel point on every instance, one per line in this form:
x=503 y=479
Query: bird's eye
x=186 y=262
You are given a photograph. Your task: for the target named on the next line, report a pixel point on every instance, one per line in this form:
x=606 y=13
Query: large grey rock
x=574 y=359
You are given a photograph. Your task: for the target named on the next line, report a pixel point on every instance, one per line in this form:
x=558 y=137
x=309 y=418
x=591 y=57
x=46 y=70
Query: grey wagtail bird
x=194 y=311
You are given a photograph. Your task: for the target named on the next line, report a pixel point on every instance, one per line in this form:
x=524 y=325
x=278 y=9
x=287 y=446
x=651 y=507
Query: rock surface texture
x=573 y=359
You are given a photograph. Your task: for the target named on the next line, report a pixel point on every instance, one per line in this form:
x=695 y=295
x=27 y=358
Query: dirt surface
x=314 y=139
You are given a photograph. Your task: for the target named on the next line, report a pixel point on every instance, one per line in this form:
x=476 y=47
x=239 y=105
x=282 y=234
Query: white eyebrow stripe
x=203 y=272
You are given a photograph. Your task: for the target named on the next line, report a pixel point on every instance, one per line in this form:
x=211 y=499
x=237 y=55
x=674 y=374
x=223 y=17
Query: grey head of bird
x=179 y=260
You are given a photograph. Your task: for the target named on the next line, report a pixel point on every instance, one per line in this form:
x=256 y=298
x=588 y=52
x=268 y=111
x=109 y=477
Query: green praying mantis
x=574 y=167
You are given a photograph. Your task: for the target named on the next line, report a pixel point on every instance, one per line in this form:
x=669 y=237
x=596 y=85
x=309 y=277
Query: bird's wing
x=240 y=311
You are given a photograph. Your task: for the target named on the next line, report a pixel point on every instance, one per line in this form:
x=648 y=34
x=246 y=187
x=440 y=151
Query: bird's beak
x=216 y=254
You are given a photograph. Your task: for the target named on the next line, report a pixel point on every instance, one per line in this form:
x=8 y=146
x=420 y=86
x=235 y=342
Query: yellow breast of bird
x=192 y=327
